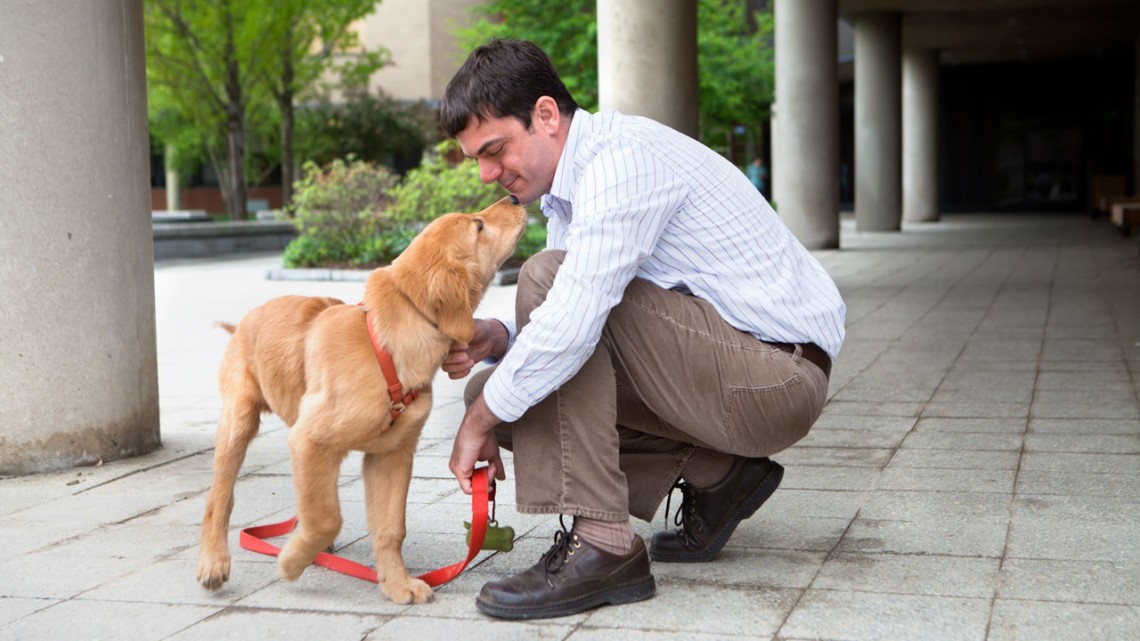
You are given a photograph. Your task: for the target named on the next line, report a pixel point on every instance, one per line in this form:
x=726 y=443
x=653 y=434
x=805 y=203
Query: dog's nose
x=514 y=199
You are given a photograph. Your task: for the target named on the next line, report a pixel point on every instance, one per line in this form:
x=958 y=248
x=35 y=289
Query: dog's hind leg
x=315 y=473
x=386 y=480
x=237 y=427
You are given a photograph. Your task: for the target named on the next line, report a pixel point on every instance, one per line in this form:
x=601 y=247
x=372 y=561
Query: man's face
x=522 y=161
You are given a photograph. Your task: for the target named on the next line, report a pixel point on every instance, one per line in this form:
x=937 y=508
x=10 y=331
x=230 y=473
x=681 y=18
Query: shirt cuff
x=501 y=402
x=509 y=324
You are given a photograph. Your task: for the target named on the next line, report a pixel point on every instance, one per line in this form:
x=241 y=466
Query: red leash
x=253 y=539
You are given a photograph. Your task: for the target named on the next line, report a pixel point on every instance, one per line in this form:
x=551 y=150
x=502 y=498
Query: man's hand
x=490 y=338
x=476 y=442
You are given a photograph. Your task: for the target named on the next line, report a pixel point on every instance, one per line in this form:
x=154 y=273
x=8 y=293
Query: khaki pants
x=667 y=375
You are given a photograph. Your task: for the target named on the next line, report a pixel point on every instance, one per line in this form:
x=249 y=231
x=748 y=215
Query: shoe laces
x=685 y=518
x=566 y=542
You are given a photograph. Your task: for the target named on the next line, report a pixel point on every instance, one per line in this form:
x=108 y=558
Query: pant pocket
x=760 y=421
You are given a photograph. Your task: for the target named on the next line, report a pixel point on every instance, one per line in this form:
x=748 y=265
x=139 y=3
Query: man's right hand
x=490 y=339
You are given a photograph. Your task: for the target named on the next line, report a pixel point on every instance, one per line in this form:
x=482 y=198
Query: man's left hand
x=474 y=442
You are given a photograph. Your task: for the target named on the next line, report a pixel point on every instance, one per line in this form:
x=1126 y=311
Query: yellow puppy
x=311 y=362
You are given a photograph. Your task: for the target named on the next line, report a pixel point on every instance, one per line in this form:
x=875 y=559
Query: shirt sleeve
x=624 y=198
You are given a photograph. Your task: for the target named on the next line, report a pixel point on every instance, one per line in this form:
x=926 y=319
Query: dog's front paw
x=213 y=573
x=408 y=590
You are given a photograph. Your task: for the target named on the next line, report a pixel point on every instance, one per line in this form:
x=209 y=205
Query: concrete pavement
x=974 y=476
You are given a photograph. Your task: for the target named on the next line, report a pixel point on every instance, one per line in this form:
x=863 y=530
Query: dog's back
x=265 y=360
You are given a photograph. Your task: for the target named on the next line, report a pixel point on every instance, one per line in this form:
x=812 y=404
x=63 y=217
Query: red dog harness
x=400 y=401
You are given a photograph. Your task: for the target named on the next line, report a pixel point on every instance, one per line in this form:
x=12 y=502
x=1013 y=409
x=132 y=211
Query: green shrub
x=338 y=209
x=533 y=241
x=438 y=187
x=351 y=213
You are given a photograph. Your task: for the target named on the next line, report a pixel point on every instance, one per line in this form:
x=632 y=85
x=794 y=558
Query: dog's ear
x=449 y=294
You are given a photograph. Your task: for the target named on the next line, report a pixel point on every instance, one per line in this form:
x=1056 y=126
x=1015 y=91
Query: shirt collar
x=566 y=175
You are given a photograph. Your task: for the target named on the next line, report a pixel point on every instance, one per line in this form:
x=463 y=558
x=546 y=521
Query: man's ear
x=546 y=117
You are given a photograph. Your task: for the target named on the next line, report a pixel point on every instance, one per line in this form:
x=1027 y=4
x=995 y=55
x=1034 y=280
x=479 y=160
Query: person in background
x=758 y=174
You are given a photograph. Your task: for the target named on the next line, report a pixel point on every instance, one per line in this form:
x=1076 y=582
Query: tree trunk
x=286 y=106
x=235 y=129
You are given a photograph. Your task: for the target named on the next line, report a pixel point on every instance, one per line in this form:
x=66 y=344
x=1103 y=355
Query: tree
x=734 y=54
x=313 y=37
x=202 y=58
x=567 y=31
x=222 y=68
x=736 y=64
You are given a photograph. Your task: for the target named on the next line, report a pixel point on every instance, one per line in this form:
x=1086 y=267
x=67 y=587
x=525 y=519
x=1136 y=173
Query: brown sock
x=706 y=467
x=613 y=537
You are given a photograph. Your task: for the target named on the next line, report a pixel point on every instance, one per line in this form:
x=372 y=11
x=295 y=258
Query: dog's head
x=448 y=266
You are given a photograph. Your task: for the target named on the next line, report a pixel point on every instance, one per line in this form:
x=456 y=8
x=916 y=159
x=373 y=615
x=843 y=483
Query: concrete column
x=173 y=193
x=78 y=381
x=878 y=123
x=805 y=149
x=647 y=60
x=1136 y=121
x=920 y=135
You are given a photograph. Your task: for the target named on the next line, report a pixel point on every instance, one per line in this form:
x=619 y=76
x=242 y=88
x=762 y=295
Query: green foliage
x=736 y=61
x=371 y=128
x=219 y=70
x=339 y=210
x=533 y=241
x=352 y=213
x=438 y=187
x=567 y=31
x=736 y=66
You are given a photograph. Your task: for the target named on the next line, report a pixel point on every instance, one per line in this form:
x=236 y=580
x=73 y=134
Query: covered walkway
x=974 y=475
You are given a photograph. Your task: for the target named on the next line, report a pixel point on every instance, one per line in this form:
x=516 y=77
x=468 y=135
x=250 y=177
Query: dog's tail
x=229 y=327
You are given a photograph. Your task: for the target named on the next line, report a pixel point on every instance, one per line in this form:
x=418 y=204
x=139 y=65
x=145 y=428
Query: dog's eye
x=479 y=224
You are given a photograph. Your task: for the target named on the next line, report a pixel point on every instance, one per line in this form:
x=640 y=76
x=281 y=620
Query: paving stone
x=442 y=629
x=728 y=611
x=1084 y=426
x=1050 y=621
x=910 y=574
x=832 y=614
x=1072 y=581
x=971 y=424
x=932 y=536
x=105 y=620
x=962 y=458
x=238 y=623
x=952 y=480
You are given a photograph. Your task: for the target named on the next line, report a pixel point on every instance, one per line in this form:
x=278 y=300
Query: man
x=673 y=328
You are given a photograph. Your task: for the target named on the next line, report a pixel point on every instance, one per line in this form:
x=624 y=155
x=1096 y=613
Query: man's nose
x=489 y=171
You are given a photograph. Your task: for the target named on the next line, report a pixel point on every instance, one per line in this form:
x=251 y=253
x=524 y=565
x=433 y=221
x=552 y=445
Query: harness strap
x=253 y=539
x=400 y=401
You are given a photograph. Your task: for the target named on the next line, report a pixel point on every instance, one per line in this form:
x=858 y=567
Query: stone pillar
x=647 y=60
x=878 y=123
x=805 y=149
x=173 y=186
x=1136 y=121
x=920 y=135
x=78 y=381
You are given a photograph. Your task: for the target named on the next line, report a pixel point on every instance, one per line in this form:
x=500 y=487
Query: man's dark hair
x=499 y=79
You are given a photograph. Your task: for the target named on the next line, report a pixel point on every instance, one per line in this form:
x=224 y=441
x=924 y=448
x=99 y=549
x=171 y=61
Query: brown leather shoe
x=708 y=516
x=571 y=577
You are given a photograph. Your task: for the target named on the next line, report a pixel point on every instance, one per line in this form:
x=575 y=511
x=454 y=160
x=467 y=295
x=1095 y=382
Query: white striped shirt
x=634 y=198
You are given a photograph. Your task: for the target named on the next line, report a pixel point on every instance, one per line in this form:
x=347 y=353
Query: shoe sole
x=746 y=509
x=630 y=593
